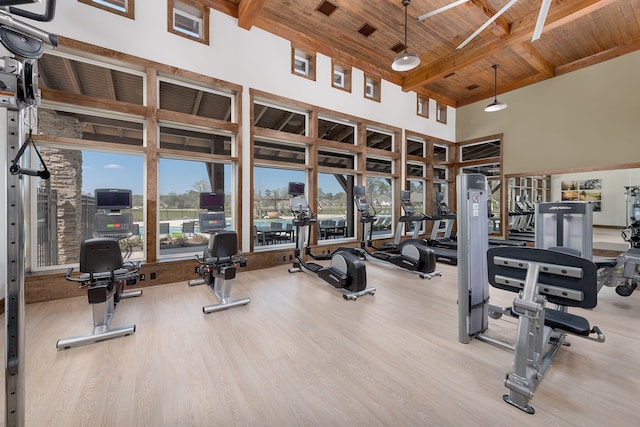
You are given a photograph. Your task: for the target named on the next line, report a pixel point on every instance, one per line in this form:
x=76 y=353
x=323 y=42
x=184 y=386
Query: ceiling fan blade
x=440 y=10
x=486 y=24
x=542 y=16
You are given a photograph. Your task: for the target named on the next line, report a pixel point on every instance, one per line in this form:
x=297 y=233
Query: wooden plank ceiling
x=577 y=34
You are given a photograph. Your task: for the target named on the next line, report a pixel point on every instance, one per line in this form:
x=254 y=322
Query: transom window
x=482 y=150
x=280 y=119
x=334 y=130
x=379 y=140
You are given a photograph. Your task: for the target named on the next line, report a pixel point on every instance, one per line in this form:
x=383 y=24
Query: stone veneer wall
x=66 y=177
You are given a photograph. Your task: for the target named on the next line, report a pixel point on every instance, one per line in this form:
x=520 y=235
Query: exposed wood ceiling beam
x=564 y=11
x=224 y=6
x=529 y=53
x=500 y=27
x=197 y=102
x=110 y=86
x=248 y=12
x=599 y=57
x=73 y=76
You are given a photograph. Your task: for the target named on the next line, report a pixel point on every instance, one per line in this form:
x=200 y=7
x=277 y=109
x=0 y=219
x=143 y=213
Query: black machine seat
x=576 y=325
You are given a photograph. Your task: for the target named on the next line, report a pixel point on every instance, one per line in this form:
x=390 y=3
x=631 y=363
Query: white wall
x=584 y=119
x=614 y=203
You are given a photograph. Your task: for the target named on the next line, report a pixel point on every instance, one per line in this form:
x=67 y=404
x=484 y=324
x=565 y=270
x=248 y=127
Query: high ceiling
x=577 y=34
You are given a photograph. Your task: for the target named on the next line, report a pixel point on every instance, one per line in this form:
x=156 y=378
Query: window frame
x=129 y=11
x=338 y=68
x=441 y=112
x=304 y=56
x=421 y=103
x=375 y=84
x=189 y=4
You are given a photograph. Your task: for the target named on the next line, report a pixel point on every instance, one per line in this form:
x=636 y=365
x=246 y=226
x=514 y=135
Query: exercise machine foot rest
x=430 y=275
x=225 y=305
x=354 y=295
x=131 y=294
x=528 y=408
x=100 y=333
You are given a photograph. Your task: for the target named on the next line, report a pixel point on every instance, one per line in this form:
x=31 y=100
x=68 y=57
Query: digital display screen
x=359 y=190
x=296 y=188
x=113 y=199
x=212 y=201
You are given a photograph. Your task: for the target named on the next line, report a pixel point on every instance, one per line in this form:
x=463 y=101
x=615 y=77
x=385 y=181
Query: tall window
x=65 y=206
x=180 y=185
x=416 y=186
x=272 y=217
x=379 y=192
x=336 y=219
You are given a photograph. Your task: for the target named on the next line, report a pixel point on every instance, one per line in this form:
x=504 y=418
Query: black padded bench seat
x=576 y=325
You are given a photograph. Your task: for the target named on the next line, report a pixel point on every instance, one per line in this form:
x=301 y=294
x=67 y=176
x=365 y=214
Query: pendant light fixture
x=405 y=61
x=495 y=105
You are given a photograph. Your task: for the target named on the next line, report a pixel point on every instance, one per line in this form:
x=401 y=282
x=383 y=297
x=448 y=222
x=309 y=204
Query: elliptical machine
x=409 y=219
x=411 y=254
x=346 y=272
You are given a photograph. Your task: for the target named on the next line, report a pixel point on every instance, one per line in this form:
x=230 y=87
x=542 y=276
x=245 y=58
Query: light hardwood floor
x=300 y=355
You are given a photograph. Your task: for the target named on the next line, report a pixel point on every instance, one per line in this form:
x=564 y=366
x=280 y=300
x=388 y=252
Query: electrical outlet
x=141 y=277
x=153 y=276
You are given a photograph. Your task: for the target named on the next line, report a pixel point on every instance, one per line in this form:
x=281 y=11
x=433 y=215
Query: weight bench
x=218 y=268
x=540 y=276
x=103 y=274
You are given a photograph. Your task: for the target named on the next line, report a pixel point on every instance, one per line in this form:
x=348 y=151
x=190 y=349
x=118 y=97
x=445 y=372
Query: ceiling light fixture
x=495 y=105
x=405 y=61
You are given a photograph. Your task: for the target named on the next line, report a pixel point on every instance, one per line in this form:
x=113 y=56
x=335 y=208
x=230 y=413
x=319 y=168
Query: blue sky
x=111 y=170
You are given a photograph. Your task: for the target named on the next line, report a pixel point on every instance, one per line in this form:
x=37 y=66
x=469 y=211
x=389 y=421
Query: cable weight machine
x=19 y=97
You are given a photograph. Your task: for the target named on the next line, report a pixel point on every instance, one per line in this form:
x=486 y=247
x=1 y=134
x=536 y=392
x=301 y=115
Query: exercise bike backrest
x=223 y=246
x=100 y=256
